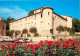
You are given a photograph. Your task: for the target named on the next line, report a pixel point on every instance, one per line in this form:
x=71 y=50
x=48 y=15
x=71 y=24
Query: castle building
x=44 y=19
x=2 y=28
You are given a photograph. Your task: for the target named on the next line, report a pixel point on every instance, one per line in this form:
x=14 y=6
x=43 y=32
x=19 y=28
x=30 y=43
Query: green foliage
x=36 y=34
x=30 y=13
x=33 y=30
x=7 y=21
x=72 y=30
x=17 y=32
x=76 y=24
x=11 y=32
x=75 y=35
x=60 y=29
x=28 y=35
x=24 y=31
x=7 y=33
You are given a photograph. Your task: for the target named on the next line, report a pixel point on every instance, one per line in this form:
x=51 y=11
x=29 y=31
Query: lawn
x=75 y=35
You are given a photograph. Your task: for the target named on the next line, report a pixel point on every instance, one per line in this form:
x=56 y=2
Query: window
x=48 y=13
x=55 y=16
x=41 y=21
x=41 y=15
x=48 y=23
x=35 y=24
x=58 y=17
x=35 y=16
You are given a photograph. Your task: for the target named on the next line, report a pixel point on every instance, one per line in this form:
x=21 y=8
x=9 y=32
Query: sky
x=20 y=8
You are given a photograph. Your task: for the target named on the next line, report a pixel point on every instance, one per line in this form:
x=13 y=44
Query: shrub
x=60 y=29
x=24 y=31
x=36 y=34
x=7 y=33
x=33 y=30
x=28 y=35
x=17 y=32
x=11 y=33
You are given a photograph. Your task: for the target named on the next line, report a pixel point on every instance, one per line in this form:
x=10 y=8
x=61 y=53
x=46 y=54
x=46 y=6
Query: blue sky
x=20 y=8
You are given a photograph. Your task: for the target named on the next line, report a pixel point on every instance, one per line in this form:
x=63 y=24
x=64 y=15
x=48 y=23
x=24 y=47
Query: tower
x=47 y=13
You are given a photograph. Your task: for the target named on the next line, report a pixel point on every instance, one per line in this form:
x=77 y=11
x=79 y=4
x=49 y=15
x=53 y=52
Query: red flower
x=19 y=43
x=15 y=44
x=8 y=45
x=4 y=47
x=41 y=41
x=79 y=51
x=47 y=49
x=13 y=47
x=75 y=47
x=43 y=53
x=60 y=46
x=61 y=39
x=25 y=48
x=70 y=40
x=13 y=54
x=67 y=46
x=48 y=53
x=8 y=54
x=64 y=44
x=25 y=41
x=32 y=51
x=57 y=52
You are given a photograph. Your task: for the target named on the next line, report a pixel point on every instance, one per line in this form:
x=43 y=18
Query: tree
x=72 y=31
x=33 y=30
x=11 y=33
x=24 y=31
x=60 y=29
x=30 y=13
x=17 y=32
x=36 y=34
x=7 y=33
x=7 y=21
x=76 y=24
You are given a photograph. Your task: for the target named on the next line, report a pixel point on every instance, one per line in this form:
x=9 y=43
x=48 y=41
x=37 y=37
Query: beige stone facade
x=43 y=19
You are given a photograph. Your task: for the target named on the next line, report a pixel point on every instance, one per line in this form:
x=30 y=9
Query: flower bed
x=43 y=48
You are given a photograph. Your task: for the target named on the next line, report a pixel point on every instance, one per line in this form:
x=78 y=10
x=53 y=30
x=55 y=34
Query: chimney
x=0 y=18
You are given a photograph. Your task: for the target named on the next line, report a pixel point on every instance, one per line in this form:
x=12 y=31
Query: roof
x=66 y=15
x=60 y=16
x=24 y=17
x=43 y=8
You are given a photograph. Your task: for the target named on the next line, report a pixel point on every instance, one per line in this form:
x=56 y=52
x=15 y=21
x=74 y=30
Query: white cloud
x=15 y=12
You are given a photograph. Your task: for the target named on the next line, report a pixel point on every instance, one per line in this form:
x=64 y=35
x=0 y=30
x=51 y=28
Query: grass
x=75 y=35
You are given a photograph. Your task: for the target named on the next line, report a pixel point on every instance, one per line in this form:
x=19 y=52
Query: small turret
x=0 y=18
